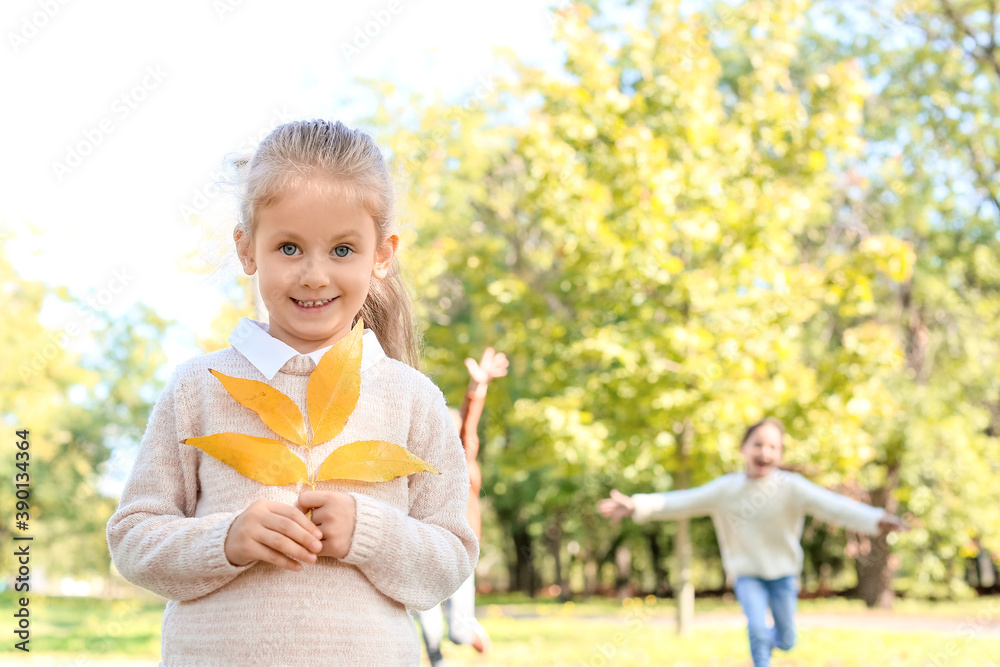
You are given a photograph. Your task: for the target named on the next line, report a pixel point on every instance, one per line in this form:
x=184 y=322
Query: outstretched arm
x=841 y=510
x=492 y=365
x=668 y=505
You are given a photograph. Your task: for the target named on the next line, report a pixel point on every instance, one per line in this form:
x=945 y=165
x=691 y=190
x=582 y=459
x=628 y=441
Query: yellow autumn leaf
x=274 y=408
x=334 y=387
x=372 y=461
x=263 y=459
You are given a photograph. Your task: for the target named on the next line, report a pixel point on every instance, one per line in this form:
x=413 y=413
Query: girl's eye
x=288 y=249
x=342 y=251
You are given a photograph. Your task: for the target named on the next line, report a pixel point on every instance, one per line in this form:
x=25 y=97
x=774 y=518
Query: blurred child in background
x=463 y=628
x=758 y=516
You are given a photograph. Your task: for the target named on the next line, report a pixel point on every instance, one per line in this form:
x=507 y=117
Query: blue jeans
x=755 y=596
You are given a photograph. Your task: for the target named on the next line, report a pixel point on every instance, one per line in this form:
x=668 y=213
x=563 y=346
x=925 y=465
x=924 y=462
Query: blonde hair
x=303 y=150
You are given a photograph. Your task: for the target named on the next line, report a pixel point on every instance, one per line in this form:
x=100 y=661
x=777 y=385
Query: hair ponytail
x=388 y=313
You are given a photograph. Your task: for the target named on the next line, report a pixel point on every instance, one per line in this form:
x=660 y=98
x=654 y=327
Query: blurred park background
x=675 y=218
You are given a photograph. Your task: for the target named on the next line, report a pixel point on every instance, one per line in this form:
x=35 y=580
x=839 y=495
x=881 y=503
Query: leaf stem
x=312 y=476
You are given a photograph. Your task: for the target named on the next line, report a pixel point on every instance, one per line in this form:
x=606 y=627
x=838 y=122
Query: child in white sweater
x=758 y=516
x=252 y=576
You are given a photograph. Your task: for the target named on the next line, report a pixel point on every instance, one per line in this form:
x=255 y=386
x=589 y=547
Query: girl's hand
x=491 y=366
x=891 y=522
x=274 y=532
x=617 y=507
x=333 y=514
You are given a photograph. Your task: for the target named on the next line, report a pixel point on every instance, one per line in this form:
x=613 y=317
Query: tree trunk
x=874 y=574
x=685 y=589
x=590 y=569
x=623 y=568
x=662 y=586
x=873 y=562
x=524 y=573
x=554 y=534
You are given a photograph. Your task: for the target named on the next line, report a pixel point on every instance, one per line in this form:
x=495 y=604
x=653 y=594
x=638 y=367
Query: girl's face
x=317 y=252
x=762 y=452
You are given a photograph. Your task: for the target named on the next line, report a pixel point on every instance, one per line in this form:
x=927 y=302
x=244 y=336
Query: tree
x=78 y=390
x=928 y=179
x=640 y=244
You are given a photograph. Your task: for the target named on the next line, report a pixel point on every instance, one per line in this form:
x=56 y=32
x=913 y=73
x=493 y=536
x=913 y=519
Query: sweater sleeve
x=422 y=557
x=681 y=504
x=835 y=508
x=154 y=539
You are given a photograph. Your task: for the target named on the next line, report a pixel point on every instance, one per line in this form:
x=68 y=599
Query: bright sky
x=118 y=114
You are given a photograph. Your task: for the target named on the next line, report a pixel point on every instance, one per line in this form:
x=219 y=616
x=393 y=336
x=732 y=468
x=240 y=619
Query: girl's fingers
x=285 y=547
x=612 y=508
x=617 y=507
x=259 y=550
x=307 y=536
x=291 y=512
x=279 y=559
x=311 y=499
x=473 y=367
x=302 y=530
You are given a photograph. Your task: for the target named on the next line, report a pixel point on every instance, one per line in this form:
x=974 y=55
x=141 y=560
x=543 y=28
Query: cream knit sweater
x=412 y=545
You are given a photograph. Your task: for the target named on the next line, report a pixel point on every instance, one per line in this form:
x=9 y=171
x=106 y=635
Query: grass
x=835 y=605
x=87 y=626
x=593 y=633
x=560 y=641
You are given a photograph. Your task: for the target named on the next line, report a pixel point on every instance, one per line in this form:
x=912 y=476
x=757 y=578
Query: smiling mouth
x=312 y=304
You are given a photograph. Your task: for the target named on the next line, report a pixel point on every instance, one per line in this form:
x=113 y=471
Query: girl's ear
x=384 y=256
x=244 y=251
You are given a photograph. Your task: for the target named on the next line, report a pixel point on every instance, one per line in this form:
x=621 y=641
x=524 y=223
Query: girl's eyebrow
x=349 y=235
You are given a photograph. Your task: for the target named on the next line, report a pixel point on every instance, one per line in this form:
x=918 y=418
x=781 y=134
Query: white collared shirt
x=268 y=354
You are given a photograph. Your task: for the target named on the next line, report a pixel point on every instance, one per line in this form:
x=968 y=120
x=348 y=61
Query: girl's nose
x=313 y=275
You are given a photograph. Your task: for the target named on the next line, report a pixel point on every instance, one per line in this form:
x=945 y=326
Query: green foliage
x=705 y=218
x=78 y=390
x=927 y=179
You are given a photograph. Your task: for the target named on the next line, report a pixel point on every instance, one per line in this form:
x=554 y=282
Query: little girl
x=252 y=578
x=463 y=628
x=758 y=516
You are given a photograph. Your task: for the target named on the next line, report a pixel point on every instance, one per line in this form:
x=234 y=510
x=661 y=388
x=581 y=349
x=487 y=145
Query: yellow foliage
x=263 y=459
x=371 y=461
x=331 y=396
x=275 y=409
x=334 y=387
